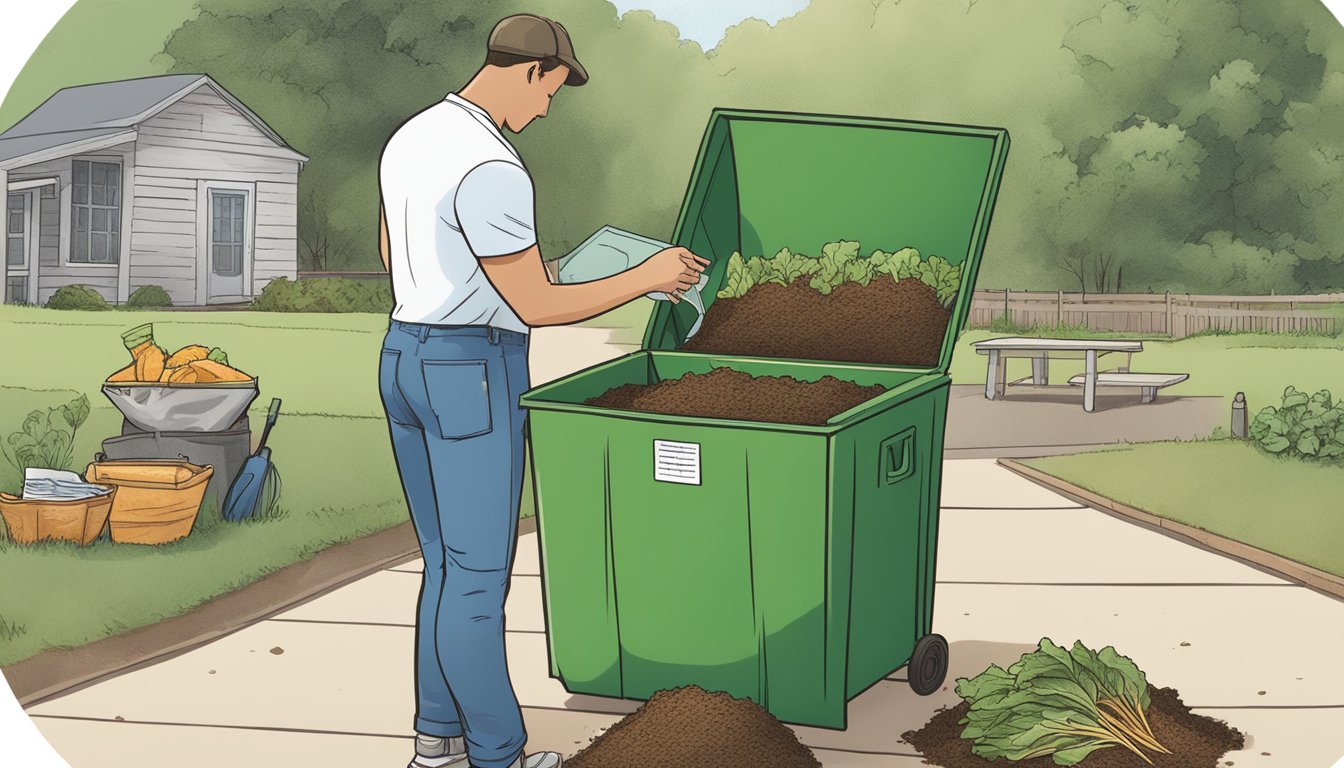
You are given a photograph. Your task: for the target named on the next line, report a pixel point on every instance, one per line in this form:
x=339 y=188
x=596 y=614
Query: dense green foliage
x=1191 y=147
x=47 y=438
x=1065 y=704
x=78 y=296
x=839 y=263
x=149 y=297
x=324 y=294
x=1305 y=427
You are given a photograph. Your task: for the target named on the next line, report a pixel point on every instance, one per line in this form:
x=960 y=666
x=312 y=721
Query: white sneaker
x=539 y=760
x=437 y=752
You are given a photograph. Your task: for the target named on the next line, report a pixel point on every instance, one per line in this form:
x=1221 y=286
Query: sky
x=705 y=21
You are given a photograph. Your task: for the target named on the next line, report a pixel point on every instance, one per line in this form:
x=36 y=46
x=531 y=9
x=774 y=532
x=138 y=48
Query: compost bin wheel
x=928 y=664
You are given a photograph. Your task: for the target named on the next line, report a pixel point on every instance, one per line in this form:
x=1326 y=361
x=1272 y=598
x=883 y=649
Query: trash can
x=226 y=451
x=790 y=564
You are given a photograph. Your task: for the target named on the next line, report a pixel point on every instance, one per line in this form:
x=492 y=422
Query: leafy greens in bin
x=1066 y=704
x=840 y=262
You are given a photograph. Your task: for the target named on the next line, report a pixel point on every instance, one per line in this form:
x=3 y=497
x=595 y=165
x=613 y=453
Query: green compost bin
x=790 y=564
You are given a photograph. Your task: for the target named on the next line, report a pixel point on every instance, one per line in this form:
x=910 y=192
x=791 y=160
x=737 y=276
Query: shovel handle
x=271 y=414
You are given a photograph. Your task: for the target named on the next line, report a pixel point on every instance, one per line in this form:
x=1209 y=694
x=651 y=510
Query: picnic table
x=1040 y=350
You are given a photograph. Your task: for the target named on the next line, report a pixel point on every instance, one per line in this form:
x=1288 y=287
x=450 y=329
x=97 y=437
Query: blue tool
x=257 y=487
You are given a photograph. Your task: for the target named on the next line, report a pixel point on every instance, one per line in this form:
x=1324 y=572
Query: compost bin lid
x=764 y=181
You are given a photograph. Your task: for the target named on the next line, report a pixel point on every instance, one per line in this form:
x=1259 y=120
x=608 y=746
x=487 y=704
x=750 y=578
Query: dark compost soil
x=886 y=322
x=727 y=394
x=1194 y=740
x=691 y=728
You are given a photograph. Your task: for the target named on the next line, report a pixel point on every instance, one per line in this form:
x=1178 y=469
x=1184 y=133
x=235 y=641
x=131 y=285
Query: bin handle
x=896 y=457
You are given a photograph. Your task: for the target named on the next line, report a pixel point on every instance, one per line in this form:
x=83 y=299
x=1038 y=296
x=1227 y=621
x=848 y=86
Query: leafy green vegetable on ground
x=840 y=262
x=1307 y=427
x=1065 y=704
x=47 y=439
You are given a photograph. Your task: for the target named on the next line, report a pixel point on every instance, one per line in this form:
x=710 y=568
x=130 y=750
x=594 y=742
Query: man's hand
x=672 y=271
x=521 y=280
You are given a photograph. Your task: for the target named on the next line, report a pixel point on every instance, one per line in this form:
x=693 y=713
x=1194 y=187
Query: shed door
x=228 y=246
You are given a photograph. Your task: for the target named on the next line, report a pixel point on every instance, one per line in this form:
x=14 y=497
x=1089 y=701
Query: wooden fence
x=1175 y=315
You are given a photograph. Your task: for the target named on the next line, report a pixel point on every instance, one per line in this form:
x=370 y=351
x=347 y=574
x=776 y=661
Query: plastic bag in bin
x=192 y=408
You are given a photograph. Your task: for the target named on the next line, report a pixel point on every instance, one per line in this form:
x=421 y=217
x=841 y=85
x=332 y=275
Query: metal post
x=1239 y=430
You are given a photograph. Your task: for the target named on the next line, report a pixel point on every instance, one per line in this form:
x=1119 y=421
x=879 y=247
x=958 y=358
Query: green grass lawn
x=330 y=445
x=1228 y=487
x=340 y=480
x=1282 y=505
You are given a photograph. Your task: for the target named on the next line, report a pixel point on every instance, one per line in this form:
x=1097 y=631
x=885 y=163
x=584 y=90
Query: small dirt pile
x=691 y=728
x=886 y=322
x=727 y=394
x=1195 y=741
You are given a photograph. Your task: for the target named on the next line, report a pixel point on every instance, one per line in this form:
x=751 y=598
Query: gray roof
x=19 y=146
x=104 y=105
x=88 y=111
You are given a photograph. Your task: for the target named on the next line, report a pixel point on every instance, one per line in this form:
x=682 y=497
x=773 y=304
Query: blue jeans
x=451 y=398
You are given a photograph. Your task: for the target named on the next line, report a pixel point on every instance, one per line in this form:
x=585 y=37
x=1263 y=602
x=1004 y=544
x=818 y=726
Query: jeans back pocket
x=458 y=392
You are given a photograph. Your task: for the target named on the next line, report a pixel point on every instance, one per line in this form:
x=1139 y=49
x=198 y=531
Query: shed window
x=15 y=230
x=95 y=214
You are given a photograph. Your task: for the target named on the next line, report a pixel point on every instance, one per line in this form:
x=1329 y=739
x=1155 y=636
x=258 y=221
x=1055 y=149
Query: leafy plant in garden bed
x=46 y=440
x=1304 y=427
x=840 y=262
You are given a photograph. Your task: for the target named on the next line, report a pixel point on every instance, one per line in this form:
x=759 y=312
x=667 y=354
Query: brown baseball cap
x=537 y=37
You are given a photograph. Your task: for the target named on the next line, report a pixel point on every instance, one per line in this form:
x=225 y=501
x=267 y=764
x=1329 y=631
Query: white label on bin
x=676 y=462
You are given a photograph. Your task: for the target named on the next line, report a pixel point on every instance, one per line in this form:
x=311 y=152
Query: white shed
x=167 y=181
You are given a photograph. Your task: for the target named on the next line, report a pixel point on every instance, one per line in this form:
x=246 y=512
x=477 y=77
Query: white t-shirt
x=455 y=191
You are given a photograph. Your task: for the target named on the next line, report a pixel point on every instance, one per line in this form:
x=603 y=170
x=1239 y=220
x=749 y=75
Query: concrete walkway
x=329 y=683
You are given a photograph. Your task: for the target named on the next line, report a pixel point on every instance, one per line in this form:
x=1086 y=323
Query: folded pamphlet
x=58 y=485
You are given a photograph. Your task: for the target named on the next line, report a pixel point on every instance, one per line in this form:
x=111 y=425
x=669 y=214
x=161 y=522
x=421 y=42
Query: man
x=458 y=236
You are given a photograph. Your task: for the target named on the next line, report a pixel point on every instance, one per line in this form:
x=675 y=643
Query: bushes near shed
x=325 y=294
x=149 y=297
x=79 y=297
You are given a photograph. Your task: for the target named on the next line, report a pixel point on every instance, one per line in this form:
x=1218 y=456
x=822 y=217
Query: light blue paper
x=610 y=251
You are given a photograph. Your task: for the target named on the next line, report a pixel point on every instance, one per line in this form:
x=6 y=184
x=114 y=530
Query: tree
x=1146 y=134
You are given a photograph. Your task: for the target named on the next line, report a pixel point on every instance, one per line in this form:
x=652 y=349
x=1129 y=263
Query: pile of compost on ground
x=692 y=728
